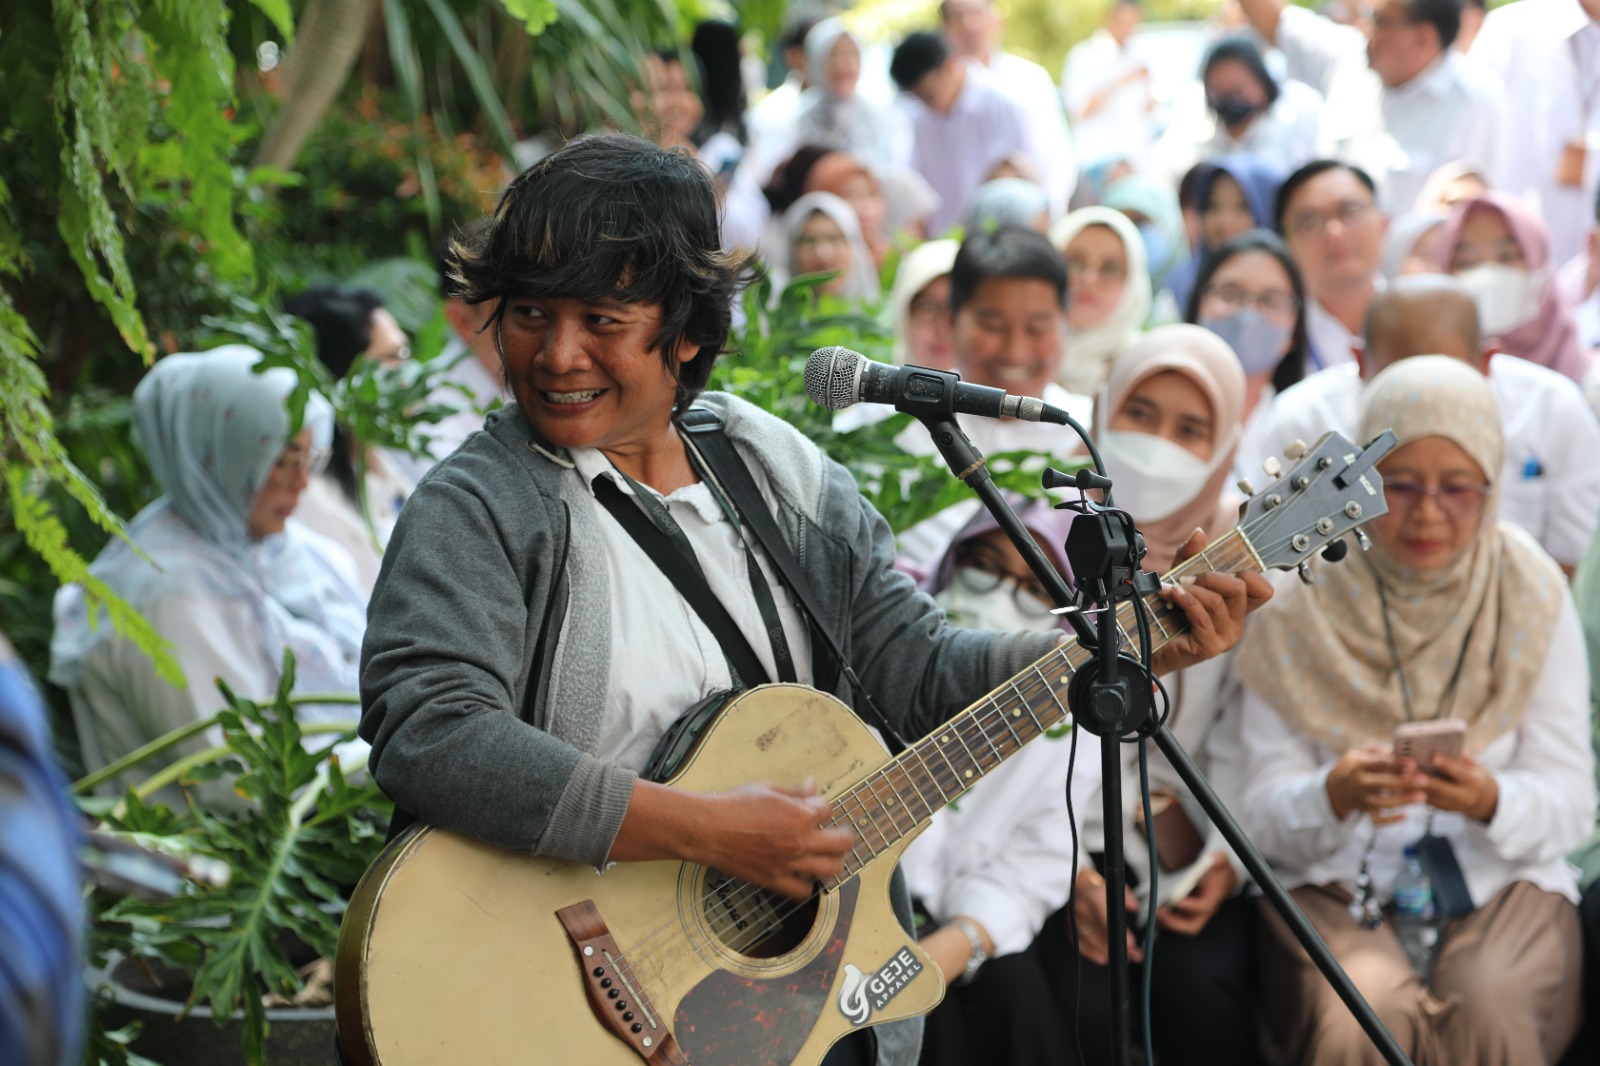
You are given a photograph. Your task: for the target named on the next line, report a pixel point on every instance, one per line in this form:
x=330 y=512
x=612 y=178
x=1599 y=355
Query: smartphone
x=1422 y=740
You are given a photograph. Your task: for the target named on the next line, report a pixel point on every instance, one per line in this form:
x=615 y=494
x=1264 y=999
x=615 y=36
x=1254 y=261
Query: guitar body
x=453 y=951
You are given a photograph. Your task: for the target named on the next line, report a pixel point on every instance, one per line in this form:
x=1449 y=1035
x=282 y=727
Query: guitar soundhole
x=753 y=921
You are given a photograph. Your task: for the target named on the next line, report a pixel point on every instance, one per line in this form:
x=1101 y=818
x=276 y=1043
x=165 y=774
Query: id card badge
x=1438 y=858
x=1569 y=171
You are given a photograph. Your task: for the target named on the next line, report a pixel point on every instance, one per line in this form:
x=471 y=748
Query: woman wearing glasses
x=1249 y=293
x=1108 y=293
x=236 y=581
x=1452 y=615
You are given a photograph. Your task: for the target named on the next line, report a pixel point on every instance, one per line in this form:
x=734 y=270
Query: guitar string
x=748 y=891
x=1235 y=543
x=969 y=718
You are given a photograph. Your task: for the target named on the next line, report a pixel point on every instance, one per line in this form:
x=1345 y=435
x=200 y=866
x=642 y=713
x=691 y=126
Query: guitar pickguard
x=731 y=1020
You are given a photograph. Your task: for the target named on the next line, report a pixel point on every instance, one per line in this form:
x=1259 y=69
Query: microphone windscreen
x=833 y=377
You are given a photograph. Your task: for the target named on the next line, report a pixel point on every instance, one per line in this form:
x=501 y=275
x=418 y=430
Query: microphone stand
x=1103 y=702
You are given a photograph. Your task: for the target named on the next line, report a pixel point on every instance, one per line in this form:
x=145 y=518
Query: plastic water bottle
x=1416 y=919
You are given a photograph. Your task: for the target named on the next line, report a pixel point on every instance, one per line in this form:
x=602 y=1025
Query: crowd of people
x=1338 y=226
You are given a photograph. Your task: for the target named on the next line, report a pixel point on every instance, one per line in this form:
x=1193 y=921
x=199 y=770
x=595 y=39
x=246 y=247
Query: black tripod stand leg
x=1268 y=881
x=1116 y=900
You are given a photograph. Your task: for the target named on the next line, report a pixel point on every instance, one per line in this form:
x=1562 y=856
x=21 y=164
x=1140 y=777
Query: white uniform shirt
x=1030 y=86
x=1286 y=135
x=1331 y=343
x=1121 y=128
x=1544 y=769
x=1550 y=484
x=1547 y=53
x=955 y=151
x=664 y=659
x=1451 y=111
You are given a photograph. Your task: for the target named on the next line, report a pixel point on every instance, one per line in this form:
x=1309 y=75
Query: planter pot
x=296 y=1036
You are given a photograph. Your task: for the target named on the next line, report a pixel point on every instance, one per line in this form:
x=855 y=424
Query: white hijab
x=212 y=430
x=862 y=280
x=919 y=268
x=845 y=123
x=1090 y=352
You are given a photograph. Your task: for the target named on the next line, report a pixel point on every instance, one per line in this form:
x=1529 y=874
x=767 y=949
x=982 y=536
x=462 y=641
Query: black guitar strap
x=703 y=430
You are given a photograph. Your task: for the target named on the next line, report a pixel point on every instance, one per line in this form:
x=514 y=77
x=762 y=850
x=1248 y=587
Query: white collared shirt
x=1121 y=128
x=1286 y=135
x=664 y=659
x=1331 y=343
x=1547 y=52
x=1454 y=110
x=955 y=151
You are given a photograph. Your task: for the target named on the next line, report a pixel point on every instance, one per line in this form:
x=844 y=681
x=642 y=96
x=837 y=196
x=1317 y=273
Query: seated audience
x=1109 y=298
x=1329 y=217
x=1241 y=107
x=847 y=178
x=1250 y=294
x=1008 y=202
x=1234 y=196
x=1451 y=184
x=1452 y=615
x=996 y=863
x=349 y=325
x=963 y=124
x=1412 y=244
x=237 y=581
x=1152 y=206
x=823 y=236
x=1549 y=484
x=834 y=114
x=1106 y=84
x=41 y=907
x=920 y=303
x=1166 y=427
x=1500 y=249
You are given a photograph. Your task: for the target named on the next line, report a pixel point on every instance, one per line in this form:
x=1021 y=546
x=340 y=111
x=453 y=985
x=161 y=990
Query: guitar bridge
x=614 y=994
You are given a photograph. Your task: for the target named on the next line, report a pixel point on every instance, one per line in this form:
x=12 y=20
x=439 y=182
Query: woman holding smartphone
x=1453 y=615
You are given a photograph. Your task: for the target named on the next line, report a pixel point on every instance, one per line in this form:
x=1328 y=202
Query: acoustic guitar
x=455 y=952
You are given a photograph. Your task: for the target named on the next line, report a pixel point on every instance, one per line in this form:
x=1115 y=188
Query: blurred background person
x=1412 y=244
x=1328 y=214
x=834 y=114
x=1106 y=85
x=848 y=178
x=1451 y=184
x=823 y=236
x=1008 y=202
x=1109 y=297
x=920 y=303
x=1234 y=195
x=1152 y=206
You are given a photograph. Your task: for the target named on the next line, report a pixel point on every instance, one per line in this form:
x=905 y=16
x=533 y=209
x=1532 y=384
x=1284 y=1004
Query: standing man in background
x=1106 y=86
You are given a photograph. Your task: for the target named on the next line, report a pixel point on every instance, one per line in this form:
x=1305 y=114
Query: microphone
x=837 y=377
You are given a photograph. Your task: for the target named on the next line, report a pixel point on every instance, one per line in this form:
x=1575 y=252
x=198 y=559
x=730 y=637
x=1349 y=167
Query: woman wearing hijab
x=1152 y=206
x=1167 y=424
x=1008 y=202
x=1108 y=297
x=1233 y=196
x=991 y=868
x=847 y=178
x=1500 y=250
x=920 y=302
x=823 y=236
x=237 y=582
x=1454 y=615
x=833 y=114
x=1412 y=244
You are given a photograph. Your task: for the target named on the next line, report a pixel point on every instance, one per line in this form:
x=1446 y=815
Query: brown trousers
x=1507 y=988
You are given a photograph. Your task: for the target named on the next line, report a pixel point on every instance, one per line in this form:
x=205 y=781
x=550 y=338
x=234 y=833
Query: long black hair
x=341 y=321
x=1292 y=367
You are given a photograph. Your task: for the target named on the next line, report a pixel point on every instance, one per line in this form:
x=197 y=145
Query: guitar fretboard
x=903 y=795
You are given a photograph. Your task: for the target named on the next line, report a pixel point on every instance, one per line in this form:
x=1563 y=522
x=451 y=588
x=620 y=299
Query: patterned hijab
x=1472 y=635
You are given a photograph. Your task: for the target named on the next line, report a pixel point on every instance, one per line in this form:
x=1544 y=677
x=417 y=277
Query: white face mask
x=996 y=609
x=1151 y=477
x=1507 y=297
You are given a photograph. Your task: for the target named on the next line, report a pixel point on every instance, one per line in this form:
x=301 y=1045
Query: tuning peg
x=1272 y=466
x=1295 y=450
x=1363 y=540
x=1304 y=570
x=1245 y=486
x=1336 y=551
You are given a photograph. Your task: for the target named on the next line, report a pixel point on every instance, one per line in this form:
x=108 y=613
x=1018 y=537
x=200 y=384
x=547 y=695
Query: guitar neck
x=902 y=796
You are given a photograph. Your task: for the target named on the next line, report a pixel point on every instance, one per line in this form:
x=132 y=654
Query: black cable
x=1072 y=903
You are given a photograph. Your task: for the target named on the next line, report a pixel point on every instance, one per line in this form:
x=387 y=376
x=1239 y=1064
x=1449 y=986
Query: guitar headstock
x=1332 y=489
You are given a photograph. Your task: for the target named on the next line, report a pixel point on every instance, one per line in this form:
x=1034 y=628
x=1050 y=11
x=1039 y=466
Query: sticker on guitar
x=862 y=995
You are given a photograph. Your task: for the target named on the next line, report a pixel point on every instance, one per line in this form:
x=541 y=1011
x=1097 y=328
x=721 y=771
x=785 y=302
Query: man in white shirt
x=1550 y=484
x=1547 y=52
x=973 y=29
x=1008 y=300
x=1106 y=85
x=1330 y=220
x=962 y=126
x=1414 y=105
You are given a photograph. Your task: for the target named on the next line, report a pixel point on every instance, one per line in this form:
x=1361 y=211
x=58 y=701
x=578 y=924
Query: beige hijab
x=1319 y=653
x=1204 y=358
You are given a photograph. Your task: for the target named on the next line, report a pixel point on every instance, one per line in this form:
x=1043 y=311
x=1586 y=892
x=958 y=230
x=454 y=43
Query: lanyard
x=656 y=511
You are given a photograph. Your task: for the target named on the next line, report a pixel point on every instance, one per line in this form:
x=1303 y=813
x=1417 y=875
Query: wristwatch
x=979 y=956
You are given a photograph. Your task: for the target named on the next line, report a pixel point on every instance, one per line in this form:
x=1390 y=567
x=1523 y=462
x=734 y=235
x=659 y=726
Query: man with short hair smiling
x=965 y=125
x=1330 y=220
x=1412 y=107
x=1549 y=485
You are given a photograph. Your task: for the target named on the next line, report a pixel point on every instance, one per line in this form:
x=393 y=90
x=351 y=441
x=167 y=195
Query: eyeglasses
x=1274 y=303
x=813 y=241
x=980 y=570
x=929 y=312
x=1461 y=501
x=310 y=461
x=1315 y=223
x=1107 y=269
